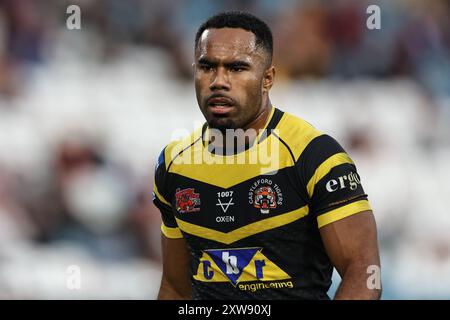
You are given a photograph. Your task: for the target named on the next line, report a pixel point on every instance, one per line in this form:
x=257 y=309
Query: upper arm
x=352 y=241
x=162 y=199
x=175 y=282
x=339 y=204
x=333 y=186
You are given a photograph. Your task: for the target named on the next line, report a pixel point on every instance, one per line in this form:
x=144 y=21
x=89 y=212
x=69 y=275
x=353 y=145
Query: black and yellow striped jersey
x=253 y=226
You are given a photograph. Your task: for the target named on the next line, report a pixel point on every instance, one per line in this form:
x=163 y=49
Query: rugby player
x=237 y=229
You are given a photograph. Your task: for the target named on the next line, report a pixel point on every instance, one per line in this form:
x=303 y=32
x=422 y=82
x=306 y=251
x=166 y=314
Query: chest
x=249 y=202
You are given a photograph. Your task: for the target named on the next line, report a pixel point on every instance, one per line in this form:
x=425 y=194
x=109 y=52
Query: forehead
x=227 y=43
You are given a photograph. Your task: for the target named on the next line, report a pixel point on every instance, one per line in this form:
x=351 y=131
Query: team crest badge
x=187 y=200
x=265 y=199
x=265 y=195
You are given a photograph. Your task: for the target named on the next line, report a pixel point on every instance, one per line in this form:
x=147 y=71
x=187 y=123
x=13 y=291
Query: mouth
x=220 y=109
x=220 y=105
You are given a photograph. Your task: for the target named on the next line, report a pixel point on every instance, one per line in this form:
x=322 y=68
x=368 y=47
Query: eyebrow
x=232 y=64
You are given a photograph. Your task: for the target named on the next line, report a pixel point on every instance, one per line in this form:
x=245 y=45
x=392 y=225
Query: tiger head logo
x=265 y=199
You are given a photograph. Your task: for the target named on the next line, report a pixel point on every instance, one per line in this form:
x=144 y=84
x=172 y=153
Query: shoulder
x=309 y=146
x=176 y=147
x=297 y=134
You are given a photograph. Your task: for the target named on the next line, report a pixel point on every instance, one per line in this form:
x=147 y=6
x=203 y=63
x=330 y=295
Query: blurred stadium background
x=84 y=114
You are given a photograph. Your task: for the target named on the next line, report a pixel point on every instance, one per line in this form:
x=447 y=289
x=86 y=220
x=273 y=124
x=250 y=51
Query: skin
x=175 y=282
x=352 y=246
x=228 y=63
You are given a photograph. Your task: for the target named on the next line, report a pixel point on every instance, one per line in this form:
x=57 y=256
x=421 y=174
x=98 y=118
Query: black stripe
x=321 y=195
x=335 y=172
x=277 y=115
x=315 y=153
x=293 y=198
x=161 y=205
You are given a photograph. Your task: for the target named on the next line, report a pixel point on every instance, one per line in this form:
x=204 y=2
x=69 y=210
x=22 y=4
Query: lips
x=220 y=109
x=220 y=105
x=221 y=101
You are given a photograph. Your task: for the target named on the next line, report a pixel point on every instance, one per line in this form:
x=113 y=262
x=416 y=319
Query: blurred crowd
x=84 y=114
x=313 y=38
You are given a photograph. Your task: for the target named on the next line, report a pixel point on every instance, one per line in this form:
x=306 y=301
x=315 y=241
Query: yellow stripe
x=325 y=168
x=174 y=147
x=171 y=233
x=297 y=133
x=198 y=164
x=160 y=197
x=343 y=212
x=245 y=231
x=229 y=170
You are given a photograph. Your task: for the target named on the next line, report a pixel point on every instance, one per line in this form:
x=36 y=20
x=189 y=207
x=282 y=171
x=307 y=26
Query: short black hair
x=242 y=20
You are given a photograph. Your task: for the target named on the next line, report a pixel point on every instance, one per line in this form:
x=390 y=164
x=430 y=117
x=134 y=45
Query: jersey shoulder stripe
x=342 y=212
x=324 y=168
x=171 y=233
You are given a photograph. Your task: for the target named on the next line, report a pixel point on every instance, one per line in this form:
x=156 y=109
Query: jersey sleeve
x=161 y=199
x=333 y=185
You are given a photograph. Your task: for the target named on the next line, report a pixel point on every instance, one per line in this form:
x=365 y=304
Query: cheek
x=198 y=80
x=251 y=90
x=201 y=85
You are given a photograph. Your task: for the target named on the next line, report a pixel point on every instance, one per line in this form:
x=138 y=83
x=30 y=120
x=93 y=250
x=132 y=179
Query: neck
x=261 y=118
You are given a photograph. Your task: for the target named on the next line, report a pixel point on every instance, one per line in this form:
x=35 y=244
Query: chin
x=221 y=124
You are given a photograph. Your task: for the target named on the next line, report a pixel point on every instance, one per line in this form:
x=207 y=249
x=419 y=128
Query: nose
x=220 y=80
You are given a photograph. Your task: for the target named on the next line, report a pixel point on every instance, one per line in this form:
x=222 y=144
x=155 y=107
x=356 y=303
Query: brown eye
x=237 y=69
x=206 y=68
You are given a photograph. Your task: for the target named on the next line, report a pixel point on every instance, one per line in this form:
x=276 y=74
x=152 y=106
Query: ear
x=269 y=78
